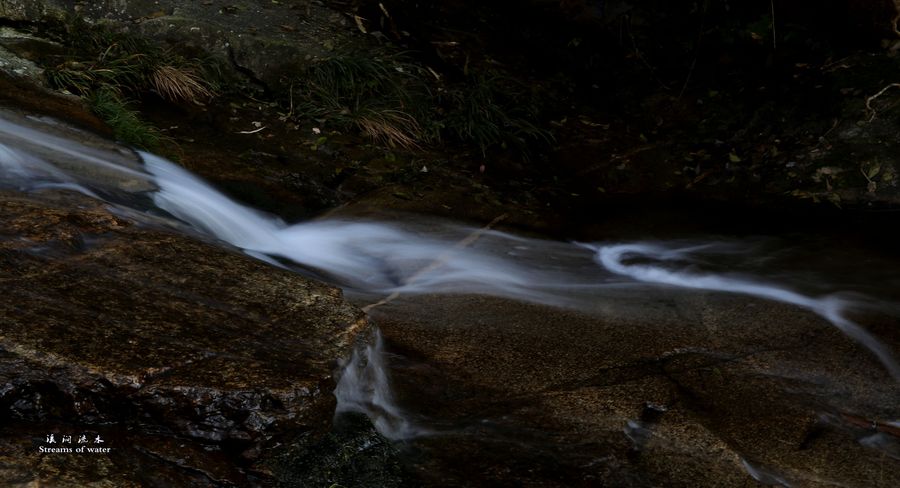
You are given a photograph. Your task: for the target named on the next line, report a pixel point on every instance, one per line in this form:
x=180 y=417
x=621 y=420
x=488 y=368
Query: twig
x=835 y=65
x=291 y=113
x=437 y=263
x=869 y=100
x=871 y=424
x=251 y=131
x=834 y=124
x=687 y=79
x=640 y=55
x=774 y=38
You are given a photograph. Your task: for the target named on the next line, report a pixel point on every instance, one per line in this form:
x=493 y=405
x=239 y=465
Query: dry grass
x=178 y=85
x=394 y=101
x=393 y=128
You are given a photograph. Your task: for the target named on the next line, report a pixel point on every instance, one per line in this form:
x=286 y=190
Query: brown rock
x=112 y=325
x=661 y=388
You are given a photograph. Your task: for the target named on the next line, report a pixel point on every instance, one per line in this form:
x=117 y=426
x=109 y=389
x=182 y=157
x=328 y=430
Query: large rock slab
x=654 y=387
x=170 y=345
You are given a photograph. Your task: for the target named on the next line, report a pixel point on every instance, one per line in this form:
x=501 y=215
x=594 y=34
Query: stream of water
x=372 y=260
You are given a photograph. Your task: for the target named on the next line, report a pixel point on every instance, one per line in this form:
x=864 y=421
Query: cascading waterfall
x=377 y=259
x=364 y=387
x=380 y=258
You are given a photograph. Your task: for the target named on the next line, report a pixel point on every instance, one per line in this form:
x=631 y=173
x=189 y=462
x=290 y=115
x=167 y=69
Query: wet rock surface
x=353 y=454
x=24 y=94
x=46 y=138
x=189 y=354
x=669 y=389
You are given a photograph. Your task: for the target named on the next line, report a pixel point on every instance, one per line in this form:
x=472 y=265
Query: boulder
x=179 y=350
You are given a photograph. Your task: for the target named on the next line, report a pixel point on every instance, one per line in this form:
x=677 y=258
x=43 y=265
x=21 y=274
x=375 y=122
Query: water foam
x=832 y=307
x=382 y=258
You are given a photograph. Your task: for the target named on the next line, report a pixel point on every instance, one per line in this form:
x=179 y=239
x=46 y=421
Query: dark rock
x=353 y=454
x=265 y=40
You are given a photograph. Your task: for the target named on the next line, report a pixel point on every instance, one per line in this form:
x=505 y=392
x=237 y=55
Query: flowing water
x=377 y=260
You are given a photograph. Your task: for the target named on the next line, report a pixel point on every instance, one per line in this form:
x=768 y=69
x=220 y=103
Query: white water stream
x=378 y=258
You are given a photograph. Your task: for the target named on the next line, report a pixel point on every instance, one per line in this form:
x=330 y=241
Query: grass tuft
x=125 y=123
x=373 y=94
x=399 y=103
x=393 y=128
x=109 y=69
x=491 y=111
x=180 y=84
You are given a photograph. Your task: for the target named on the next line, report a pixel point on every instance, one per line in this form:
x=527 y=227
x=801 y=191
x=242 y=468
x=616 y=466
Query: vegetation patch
x=124 y=121
x=380 y=96
x=400 y=103
x=490 y=111
x=391 y=98
x=112 y=70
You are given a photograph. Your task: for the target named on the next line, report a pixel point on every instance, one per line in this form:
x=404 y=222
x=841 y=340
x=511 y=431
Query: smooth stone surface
x=107 y=324
x=656 y=387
